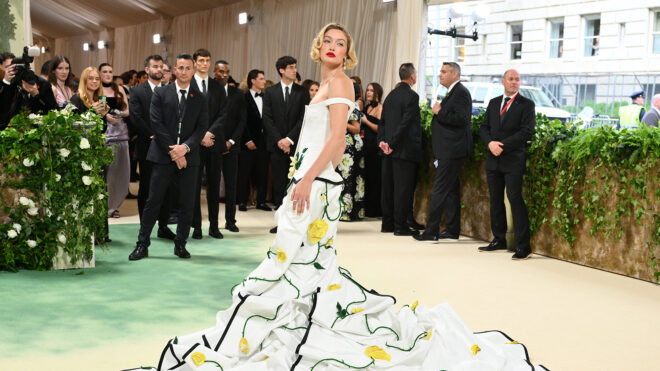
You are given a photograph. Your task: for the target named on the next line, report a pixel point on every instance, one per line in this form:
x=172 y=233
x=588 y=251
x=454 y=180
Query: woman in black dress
x=372 y=167
x=351 y=168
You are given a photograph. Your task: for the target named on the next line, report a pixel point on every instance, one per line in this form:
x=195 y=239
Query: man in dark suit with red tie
x=283 y=111
x=140 y=108
x=452 y=144
x=253 y=159
x=507 y=127
x=179 y=120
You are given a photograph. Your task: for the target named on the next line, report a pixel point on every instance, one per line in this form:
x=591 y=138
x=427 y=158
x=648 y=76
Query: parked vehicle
x=483 y=92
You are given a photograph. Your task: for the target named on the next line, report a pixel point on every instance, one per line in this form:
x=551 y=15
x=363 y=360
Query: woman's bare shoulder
x=341 y=87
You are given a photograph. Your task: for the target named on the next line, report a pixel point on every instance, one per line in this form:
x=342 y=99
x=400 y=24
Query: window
x=656 y=32
x=556 y=38
x=591 y=35
x=459 y=46
x=516 y=40
x=586 y=93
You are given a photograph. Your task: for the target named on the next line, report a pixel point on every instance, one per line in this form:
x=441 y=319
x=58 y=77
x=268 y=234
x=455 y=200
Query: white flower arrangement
x=84 y=143
x=28 y=162
x=64 y=152
x=101 y=196
x=31 y=243
x=33 y=211
x=57 y=177
x=34 y=117
x=24 y=201
x=85 y=166
x=17 y=227
x=12 y=233
x=62 y=238
x=86 y=180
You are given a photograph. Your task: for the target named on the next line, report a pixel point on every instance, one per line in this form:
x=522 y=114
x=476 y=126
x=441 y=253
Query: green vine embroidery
x=260 y=316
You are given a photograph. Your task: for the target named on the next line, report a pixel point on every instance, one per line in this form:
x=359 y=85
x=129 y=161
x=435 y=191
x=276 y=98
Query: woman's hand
x=300 y=195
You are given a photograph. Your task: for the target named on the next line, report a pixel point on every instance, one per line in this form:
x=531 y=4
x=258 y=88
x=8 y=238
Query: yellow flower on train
x=356 y=310
x=292 y=167
x=243 y=346
x=334 y=286
x=428 y=335
x=414 y=306
x=475 y=349
x=317 y=230
x=513 y=342
x=198 y=358
x=265 y=358
x=376 y=352
x=281 y=256
x=330 y=242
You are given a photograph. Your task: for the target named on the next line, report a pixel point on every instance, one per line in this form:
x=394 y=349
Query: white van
x=483 y=92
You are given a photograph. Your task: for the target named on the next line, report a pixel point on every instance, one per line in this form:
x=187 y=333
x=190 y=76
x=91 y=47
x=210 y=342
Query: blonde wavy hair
x=351 y=59
x=82 y=87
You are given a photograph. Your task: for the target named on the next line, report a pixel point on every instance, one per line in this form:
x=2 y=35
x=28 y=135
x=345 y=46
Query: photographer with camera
x=21 y=89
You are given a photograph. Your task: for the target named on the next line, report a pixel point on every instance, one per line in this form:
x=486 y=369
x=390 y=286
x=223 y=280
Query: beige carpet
x=570 y=317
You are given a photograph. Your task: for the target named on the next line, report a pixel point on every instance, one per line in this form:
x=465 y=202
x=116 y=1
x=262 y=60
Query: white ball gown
x=299 y=310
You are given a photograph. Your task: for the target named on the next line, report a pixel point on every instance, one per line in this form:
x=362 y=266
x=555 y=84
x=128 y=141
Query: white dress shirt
x=199 y=80
x=504 y=96
x=152 y=85
x=451 y=87
x=258 y=100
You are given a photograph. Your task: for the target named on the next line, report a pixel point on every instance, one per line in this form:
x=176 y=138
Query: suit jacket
x=451 y=128
x=651 y=118
x=283 y=120
x=400 y=125
x=232 y=120
x=164 y=123
x=514 y=128
x=215 y=99
x=254 y=127
x=139 y=121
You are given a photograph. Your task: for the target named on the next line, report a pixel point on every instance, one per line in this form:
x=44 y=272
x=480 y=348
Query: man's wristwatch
x=187 y=148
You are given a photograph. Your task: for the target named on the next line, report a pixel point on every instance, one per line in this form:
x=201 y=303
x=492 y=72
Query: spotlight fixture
x=244 y=18
x=86 y=47
x=388 y=1
x=156 y=38
x=102 y=44
x=44 y=49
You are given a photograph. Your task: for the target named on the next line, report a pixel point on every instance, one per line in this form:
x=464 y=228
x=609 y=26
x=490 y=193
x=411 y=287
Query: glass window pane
x=556 y=49
x=497 y=91
x=656 y=43
x=516 y=32
x=479 y=94
x=516 y=51
x=656 y=24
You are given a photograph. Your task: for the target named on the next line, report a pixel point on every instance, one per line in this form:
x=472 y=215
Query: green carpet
x=62 y=311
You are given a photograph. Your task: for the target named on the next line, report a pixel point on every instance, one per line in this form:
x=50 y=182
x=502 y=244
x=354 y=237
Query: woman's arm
x=353 y=127
x=375 y=113
x=333 y=148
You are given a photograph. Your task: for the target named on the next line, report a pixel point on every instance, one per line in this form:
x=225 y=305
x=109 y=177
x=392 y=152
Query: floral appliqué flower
x=243 y=346
x=281 y=255
x=377 y=352
x=317 y=230
x=334 y=286
x=198 y=358
x=475 y=349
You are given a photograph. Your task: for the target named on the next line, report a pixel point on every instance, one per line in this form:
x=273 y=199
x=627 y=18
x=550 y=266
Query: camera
x=22 y=66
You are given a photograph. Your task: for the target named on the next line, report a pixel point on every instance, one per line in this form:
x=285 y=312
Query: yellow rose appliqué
x=334 y=286
x=377 y=352
x=198 y=358
x=475 y=349
x=356 y=310
x=428 y=335
x=243 y=346
x=414 y=306
x=281 y=256
x=317 y=230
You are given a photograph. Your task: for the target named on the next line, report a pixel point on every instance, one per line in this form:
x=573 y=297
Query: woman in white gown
x=298 y=310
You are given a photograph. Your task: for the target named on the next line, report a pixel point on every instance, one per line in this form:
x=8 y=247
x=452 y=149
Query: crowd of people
x=246 y=134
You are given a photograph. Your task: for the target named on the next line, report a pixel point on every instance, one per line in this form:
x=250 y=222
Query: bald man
x=508 y=125
x=653 y=115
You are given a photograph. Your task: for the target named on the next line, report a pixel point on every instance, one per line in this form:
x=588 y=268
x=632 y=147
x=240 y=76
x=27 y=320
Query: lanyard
x=508 y=104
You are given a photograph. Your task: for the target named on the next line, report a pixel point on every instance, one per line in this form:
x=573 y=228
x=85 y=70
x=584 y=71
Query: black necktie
x=259 y=95
x=182 y=104
x=204 y=87
x=506 y=100
x=286 y=95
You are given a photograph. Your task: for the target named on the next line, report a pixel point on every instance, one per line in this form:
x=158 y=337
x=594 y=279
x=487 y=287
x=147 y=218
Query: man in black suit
x=212 y=146
x=283 y=111
x=452 y=143
x=508 y=125
x=140 y=121
x=253 y=159
x=179 y=119
x=232 y=123
x=400 y=139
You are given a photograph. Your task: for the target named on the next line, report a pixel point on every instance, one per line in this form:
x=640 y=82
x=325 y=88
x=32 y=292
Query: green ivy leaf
x=318 y=266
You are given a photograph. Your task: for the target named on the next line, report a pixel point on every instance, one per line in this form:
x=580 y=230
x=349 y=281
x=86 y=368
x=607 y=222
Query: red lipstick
x=330 y=54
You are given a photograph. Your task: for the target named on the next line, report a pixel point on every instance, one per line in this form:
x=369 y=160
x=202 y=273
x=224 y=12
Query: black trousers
x=146 y=169
x=372 y=180
x=230 y=174
x=398 y=191
x=161 y=177
x=212 y=162
x=252 y=169
x=446 y=197
x=280 y=162
x=497 y=180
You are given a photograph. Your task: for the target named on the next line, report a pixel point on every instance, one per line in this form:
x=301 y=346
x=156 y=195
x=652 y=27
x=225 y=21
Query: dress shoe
x=273 y=230
x=197 y=234
x=386 y=229
x=445 y=235
x=165 y=232
x=215 y=233
x=173 y=220
x=406 y=232
x=231 y=227
x=493 y=246
x=180 y=250
x=522 y=254
x=242 y=207
x=426 y=238
x=414 y=225
x=140 y=252
x=264 y=207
